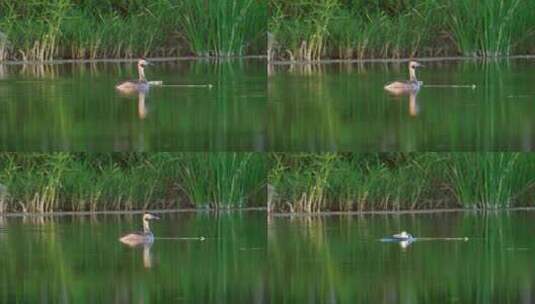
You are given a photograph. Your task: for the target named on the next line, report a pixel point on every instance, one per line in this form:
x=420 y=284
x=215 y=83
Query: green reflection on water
x=339 y=259
x=74 y=107
x=80 y=260
x=343 y=107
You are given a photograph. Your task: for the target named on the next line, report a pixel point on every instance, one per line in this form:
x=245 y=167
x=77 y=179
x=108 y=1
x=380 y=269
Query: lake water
x=78 y=259
x=339 y=259
x=75 y=107
x=343 y=107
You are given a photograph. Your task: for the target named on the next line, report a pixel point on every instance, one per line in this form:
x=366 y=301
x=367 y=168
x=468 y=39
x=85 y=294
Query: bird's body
x=409 y=86
x=141 y=238
x=404 y=85
x=133 y=86
x=403 y=236
x=139 y=85
x=138 y=237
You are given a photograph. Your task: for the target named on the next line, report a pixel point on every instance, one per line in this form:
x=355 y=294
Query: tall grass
x=490 y=180
x=396 y=181
x=126 y=181
x=224 y=28
x=233 y=180
x=302 y=26
x=310 y=30
x=44 y=30
x=495 y=26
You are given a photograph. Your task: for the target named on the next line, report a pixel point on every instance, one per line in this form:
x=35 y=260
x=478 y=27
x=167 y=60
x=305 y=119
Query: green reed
x=37 y=30
x=301 y=28
x=233 y=180
x=127 y=181
x=311 y=30
x=224 y=28
x=396 y=181
x=496 y=27
x=491 y=180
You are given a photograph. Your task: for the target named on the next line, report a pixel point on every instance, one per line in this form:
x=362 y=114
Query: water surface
x=339 y=259
x=72 y=259
x=75 y=107
x=343 y=107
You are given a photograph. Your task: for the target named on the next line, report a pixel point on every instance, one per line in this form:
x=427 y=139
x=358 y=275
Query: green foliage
x=495 y=27
x=38 y=30
x=310 y=30
x=224 y=28
x=223 y=180
x=396 y=181
x=491 y=180
x=127 y=181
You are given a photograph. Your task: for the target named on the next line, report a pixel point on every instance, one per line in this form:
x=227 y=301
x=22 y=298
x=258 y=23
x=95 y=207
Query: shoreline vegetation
x=359 y=29
x=295 y=183
x=135 y=59
x=131 y=212
x=59 y=182
x=349 y=182
x=37 y=30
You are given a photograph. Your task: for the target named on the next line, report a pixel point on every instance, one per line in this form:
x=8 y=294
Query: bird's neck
x=141 y=73
x=146 y=227
x=412 y=74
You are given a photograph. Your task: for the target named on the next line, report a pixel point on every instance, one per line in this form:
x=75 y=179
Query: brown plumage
x=404 y=87
x=141 y=84
x=141 y=238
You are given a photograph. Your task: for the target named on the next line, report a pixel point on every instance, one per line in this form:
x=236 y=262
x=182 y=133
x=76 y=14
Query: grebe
x=141 y=238
x=140 y=85
x=404 y=239
x=403 y=87
x=403 y=236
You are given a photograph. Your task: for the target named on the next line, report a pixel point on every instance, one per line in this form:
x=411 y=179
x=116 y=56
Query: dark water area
x=340 y=259
x=343 y=107
x=75 y=107
x=78 y=259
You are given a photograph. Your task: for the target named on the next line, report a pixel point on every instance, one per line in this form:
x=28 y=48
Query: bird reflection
x=405 y=244
x=413 y=104
x=142 y=108
x=414 y=109
x=147 y=257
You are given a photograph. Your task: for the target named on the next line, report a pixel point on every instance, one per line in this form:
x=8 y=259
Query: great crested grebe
x=141 y=238
x=140 y=85
x=403 y=87
x=402 y=236
x=404 y=239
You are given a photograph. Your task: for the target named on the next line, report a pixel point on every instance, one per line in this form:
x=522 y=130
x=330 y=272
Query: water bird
x=404 y=87
x=404 y=239
x=139 y=85
x=141 y=238
x=402 y=236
